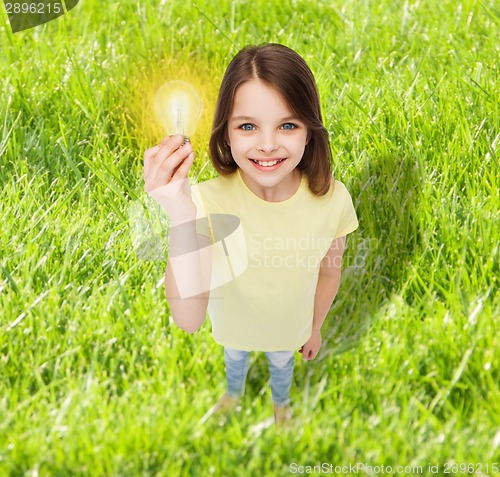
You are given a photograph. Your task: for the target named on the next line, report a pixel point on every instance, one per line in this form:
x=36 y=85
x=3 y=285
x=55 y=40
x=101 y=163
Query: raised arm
x=187 y=276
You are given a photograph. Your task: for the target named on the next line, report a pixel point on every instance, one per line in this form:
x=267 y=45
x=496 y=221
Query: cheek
x=238 y=143
x=300 y=144
x=232 y=139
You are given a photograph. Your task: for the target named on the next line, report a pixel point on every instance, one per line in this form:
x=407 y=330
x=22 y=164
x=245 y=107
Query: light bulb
x=178 y=106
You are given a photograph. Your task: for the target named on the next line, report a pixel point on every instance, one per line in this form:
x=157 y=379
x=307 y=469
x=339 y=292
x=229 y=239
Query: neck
x=278 y=193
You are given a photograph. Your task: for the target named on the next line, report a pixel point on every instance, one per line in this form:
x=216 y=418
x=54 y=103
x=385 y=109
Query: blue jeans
x=280 y=367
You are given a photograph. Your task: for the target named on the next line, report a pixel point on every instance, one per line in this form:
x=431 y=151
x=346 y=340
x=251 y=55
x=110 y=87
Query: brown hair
x=287 y=72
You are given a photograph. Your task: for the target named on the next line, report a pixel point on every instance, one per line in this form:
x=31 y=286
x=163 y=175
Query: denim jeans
x=280 y=367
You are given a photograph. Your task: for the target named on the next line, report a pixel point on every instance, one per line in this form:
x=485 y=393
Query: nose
x=267 y=142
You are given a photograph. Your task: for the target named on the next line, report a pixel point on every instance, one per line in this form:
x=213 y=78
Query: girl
x=275 y=218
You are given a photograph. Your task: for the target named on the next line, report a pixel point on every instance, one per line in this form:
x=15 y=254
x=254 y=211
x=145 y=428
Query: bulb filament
x=178 y=127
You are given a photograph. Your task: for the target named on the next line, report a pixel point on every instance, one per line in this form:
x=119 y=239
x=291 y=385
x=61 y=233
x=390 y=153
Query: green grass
x=95 y=380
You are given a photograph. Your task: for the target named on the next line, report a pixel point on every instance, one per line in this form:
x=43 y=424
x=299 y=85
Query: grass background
x=94 y=377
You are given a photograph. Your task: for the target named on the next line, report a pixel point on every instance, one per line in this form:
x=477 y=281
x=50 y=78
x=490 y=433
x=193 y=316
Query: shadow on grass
x=387 y=195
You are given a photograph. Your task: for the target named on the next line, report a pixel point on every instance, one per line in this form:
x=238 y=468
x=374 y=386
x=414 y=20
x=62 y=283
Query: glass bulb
x=178 y=106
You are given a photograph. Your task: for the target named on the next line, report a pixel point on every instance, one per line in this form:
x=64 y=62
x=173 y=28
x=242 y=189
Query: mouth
x=269 y=163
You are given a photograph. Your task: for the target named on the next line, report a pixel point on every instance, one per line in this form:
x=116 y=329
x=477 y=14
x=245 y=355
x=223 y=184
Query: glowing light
x=178 y=106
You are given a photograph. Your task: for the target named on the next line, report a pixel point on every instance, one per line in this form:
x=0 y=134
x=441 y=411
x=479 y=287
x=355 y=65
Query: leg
x=281 y=370
x=236 y=371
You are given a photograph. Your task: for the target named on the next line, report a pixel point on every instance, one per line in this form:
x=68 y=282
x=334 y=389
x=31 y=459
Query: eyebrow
x=250 y=118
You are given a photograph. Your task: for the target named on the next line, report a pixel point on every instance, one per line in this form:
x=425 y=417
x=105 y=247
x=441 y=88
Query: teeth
x=267 y=164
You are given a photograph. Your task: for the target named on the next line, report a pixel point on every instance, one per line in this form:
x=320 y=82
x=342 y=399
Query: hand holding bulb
x=166 y=166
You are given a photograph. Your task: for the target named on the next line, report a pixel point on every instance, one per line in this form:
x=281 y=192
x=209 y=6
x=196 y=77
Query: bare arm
x=192 y=275
x=326 y=291
x=328 y=282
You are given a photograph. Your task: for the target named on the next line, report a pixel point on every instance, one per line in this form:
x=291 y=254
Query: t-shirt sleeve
x=348 y=219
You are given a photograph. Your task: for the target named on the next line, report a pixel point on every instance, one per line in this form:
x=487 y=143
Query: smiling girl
x=272 y=153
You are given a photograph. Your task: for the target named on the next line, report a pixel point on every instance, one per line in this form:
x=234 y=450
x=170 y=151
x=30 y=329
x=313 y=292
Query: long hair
x=286 y=72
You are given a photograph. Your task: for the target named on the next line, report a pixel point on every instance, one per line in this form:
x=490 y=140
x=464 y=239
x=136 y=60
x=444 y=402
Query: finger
x=182 y=171
x=168 y=159
x=176 y=160
x=151 y=152
x=165 y=139
x=148 y=155
x=155 y=155
x=311 y=353
x=168 y=146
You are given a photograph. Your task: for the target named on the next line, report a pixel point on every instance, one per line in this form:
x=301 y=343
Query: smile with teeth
x=267 y=163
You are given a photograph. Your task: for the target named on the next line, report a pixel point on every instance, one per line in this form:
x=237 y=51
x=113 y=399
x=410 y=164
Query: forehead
x=257 y=96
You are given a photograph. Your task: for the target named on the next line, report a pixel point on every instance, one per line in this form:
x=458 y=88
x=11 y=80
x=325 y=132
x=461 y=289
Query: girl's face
x=266 y=140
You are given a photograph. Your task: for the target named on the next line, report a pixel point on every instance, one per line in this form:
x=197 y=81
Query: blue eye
x=288 y=126
x=247 y=127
